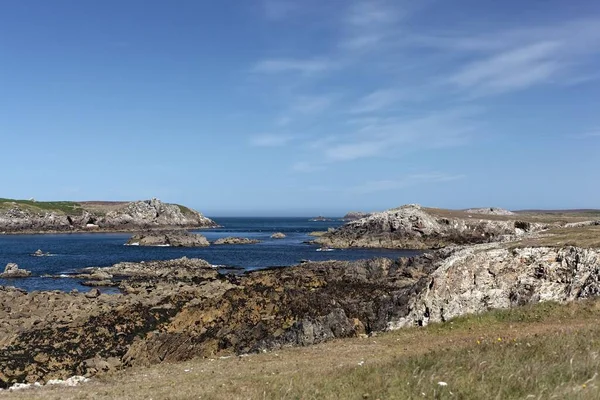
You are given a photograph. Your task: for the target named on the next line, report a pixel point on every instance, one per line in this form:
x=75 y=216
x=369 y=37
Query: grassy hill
x=66 y=207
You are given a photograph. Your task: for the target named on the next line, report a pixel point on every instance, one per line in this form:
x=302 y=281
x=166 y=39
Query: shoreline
x=107 y=230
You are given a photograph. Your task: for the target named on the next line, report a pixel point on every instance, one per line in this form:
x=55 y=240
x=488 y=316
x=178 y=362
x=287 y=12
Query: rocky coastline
x=29 y=217
x=168 y=311
x=174 y=310
x=414 y=227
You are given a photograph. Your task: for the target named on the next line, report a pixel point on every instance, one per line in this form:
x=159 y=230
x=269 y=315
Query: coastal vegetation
x=65 y=207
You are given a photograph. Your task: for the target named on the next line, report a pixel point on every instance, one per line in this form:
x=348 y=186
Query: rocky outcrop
x=489 y=211
x=12 y=270
x=412 y=227
x=168 y=238
x=278 y=235
x=40 y=253
x=235 y=240
x=32 y=217
x=479 y=278
x=354 y=215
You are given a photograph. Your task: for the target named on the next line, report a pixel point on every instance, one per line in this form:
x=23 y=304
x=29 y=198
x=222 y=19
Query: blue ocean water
x=71 y=252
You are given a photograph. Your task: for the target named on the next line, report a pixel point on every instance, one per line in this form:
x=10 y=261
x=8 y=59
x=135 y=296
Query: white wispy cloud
x=271 y=140
x=311 y=104
x=353 y=151
x=385 y=136
x=514 y=69
x=376 y=101
x=283 y=65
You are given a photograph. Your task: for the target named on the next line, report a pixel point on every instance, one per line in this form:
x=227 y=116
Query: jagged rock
x=12 y=270
x=484 y=277
x=178 y=269
x=412 y=227
x=168 y=238
x=40 y=253
x=278 y=235
x=489 y=211
x=235 y=240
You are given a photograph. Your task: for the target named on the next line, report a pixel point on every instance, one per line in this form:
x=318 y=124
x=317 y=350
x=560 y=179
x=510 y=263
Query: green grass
x=185 y=210
x=67 y=207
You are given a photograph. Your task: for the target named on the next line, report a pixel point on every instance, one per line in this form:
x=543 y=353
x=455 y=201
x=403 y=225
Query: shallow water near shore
x=71 y=252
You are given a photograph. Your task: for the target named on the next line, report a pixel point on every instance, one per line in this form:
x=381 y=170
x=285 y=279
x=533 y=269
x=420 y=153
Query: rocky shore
x=178 y=309
x=414 y=227
x=18 y=216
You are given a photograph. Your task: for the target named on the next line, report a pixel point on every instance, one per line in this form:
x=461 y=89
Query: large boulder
x=278 y=235
x=12 y=270
x=491 y=276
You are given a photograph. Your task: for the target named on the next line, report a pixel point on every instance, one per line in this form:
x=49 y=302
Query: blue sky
x=280 y=107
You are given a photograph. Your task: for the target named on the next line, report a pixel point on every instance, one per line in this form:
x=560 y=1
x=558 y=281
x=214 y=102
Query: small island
x=235 y=240
x=168 y=239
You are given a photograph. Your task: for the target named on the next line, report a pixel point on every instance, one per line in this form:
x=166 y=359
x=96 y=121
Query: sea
x=71 y=252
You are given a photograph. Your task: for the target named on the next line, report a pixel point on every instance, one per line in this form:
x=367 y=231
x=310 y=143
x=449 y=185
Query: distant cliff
x=22 y=216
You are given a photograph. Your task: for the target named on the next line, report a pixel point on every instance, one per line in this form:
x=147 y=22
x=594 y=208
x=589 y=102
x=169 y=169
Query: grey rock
x=412 y=227
x=12 y=270
x=278 y=235
x=479 y=278
x=168 y=238
x=102 y=216
x=489 y=211
x=93 y=293
x=354 y=215
x=235 y=240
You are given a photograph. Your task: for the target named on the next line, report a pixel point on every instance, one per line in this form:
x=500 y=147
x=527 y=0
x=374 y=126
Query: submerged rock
x=12 y=270
x=235 y=240
x=168 y=238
